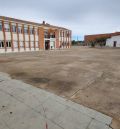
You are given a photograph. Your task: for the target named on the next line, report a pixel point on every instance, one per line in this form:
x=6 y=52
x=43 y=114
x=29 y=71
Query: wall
x=110 y=41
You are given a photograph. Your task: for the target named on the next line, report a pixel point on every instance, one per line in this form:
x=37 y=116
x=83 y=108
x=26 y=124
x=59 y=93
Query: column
x=34 y=38
x=57 y=38
x=12 y=45
x=29 y=37
x=3 y=27
x=18 y=37
x=41 y=38
x=23 y=37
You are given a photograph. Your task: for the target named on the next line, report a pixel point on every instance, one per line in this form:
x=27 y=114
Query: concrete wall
x=110 y=41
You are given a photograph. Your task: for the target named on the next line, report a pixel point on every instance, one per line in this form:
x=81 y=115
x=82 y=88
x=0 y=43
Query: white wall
x=2 y=50
x=15 y=37
x=110 y=41
x=1 y=35
x=21 y=37
x=36 y=37
x=32 y=37
x=26 y=37
x=8 y=35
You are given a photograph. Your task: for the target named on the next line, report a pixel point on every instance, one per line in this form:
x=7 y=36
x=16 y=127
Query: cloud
x=81 y=16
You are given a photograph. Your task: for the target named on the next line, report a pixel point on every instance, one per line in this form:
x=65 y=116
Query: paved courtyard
x=23 y=106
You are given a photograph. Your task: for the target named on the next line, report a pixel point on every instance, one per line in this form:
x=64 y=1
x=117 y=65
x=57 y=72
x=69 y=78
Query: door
x=47 y=45
x=114 y=44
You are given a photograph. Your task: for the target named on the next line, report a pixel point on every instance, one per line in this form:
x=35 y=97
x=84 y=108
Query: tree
x=92 y=43
x=101 y=41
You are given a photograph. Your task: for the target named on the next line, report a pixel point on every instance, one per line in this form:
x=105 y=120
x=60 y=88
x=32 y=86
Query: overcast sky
x=81 y=16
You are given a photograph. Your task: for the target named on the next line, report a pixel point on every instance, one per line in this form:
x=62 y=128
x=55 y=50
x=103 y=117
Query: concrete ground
x=23 y=106
x=88 y=76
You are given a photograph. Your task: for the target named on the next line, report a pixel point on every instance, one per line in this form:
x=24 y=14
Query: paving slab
x=97 y=125
x=23 y=106
x=71 y=119
x=51 y=108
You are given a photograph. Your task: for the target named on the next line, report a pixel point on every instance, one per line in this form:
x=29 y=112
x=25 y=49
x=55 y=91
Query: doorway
x=47 y=45
x=114 y=44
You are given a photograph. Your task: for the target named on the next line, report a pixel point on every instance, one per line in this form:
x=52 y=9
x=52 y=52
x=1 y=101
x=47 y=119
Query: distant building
x=89 y=38
x=114 y=41
x=19 y=35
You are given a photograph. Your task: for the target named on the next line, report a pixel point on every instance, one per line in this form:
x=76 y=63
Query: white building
x=114 y=41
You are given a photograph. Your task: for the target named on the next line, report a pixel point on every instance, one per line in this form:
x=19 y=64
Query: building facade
x=114 y=41
x=89 y=38
x=19 y=35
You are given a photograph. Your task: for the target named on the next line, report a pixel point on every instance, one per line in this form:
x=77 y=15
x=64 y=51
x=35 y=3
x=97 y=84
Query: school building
x=19 y=35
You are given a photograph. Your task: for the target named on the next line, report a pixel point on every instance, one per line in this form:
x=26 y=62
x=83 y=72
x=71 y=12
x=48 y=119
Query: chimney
x=44 y=22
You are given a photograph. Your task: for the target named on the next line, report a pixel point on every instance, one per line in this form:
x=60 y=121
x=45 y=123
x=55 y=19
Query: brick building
x=88 y=38
x=19 y=35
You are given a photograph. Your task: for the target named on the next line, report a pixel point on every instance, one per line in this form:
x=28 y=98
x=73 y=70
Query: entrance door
x=47 y=45
x=114 y=44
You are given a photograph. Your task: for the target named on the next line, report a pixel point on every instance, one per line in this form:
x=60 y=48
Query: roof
x=28 y=22
x=88 y=38
x=112 y=34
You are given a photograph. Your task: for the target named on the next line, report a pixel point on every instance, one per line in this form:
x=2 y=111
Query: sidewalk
x=23 y=106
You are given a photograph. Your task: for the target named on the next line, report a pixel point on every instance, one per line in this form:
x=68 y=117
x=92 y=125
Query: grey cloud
x=81 y=16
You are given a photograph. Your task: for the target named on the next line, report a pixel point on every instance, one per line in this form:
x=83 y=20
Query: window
x=0 y=26
x=25 y=30
x=31 y=31
x=14 y=28
x=46 y=34
x=36 y=31
x=52 y=35
x=8 y=44
x=67 y=34
x=7 y=27
x=19 y=29
x=60 y=33
x=1 y=44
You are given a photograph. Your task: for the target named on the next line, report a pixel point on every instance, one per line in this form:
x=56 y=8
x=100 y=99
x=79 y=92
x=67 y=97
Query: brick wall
x=41 y=37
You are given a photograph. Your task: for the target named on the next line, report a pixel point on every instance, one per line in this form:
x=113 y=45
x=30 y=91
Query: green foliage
x=77 y=43
x=101 y=41
x=92 y=43
x=98 y=41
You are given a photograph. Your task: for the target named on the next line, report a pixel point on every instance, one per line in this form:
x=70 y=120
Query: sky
x=83 y=17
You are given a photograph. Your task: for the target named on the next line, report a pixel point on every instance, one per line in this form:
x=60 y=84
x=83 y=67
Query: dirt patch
x=5 y=60
x=39 y=80
x=66 y=72
x=61 y=86
x=19 y=74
